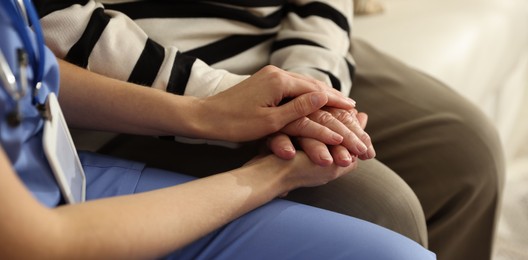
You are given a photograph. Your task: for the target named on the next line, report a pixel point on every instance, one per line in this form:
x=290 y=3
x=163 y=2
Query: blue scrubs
x=277 y=230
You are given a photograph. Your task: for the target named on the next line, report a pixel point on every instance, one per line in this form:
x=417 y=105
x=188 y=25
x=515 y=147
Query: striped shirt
x=199 y=47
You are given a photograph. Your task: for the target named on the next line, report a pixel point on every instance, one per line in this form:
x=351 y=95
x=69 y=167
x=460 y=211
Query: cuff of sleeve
x=228 y=81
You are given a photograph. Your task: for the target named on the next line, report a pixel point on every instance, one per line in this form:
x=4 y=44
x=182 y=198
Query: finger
x=282 y=146
x=304 y=127
x=371 y=153
x=340 y=101
x=335 y=97
x=304 y=104
x=343 y=123
x=317 y=151
x=359 y=137
x=342 y=156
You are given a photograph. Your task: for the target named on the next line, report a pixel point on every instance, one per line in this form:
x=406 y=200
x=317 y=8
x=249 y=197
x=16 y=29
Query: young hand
x=252 y=109
x=299 y=171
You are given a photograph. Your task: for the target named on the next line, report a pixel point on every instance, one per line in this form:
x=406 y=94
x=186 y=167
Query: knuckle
x=276 y=76
x=270 y=69
x=324 y=117
x=343 y=116
x=319 y=85
x=300 y=107
x=366 y=138
x=271 y=122
x=302 y=124
x=350 y=137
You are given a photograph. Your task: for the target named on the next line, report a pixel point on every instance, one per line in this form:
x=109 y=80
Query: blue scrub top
x=23 y=143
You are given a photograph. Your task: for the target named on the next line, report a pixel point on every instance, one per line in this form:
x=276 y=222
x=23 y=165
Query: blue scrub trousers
x=278 y=230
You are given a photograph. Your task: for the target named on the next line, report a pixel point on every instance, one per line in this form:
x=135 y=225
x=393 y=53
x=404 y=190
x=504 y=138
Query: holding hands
x=318 y=118
x=350 y=124
x=252 y=109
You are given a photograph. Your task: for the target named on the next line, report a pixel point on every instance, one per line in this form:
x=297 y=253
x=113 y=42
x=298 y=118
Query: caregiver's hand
x=251 y=109
x=299 y=171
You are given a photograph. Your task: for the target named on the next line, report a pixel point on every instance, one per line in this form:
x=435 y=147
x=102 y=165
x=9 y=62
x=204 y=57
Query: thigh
x=413 y=116
x=442 y=145
x=423 y=130
x=287 y=230
x=374 y=193
x=277 y=230
x=108 y=176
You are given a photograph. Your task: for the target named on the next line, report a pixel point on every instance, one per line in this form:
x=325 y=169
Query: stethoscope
x=22 y=14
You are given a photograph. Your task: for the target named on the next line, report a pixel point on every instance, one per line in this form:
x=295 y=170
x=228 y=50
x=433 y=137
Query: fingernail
x=337 y=137
x=289 y=149
x=326 y=158
x=316 y=100
x=372 y=152
x=352 y=101
x=346 y=157
x=362 y=148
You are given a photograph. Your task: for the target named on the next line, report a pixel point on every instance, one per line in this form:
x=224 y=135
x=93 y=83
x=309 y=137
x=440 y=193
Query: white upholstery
x=480 y=49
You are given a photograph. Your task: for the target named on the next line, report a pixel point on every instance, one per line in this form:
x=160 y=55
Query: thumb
x=301 y=106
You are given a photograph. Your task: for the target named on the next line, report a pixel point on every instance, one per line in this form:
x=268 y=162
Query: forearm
x=156 y=223
x=146 y=225
x=70 y=31
x=93 y=101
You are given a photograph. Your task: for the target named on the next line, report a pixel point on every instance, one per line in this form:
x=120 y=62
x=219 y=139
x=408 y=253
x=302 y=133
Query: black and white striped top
x=199 y=47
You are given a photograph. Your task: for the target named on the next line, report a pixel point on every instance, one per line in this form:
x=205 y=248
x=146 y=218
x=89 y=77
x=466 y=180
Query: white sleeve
x=315 y=40
x=110 y=43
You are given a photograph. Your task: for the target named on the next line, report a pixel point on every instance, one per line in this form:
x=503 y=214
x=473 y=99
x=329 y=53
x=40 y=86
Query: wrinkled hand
x=251 y=109
x=348 y=123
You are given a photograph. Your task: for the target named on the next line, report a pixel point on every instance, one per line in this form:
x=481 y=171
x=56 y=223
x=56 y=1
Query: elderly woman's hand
x=348 y=123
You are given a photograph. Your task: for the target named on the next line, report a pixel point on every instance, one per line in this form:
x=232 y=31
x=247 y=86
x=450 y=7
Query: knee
x=313 y=234
x=387 y=200
x=474 y=156
x=373 y=193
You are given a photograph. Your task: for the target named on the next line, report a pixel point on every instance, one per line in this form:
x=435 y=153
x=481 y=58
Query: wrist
x=200 y=119
x=203 y=120
x=183 y=117
x=273 y=172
